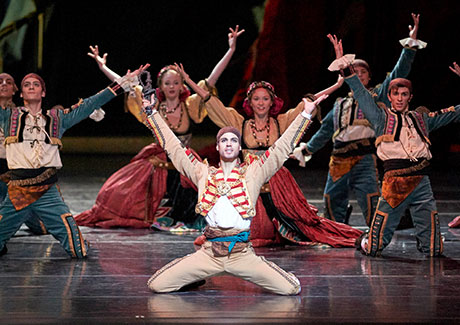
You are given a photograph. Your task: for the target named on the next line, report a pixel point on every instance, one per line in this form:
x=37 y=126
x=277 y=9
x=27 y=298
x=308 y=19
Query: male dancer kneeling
x=226 y=198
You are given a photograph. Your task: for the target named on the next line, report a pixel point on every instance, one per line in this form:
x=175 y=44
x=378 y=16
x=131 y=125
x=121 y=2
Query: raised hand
x=310 y=107
x=181 y=70
x=455 y=68
x=130 y=79
x=138 y=71
x=414 y=29
x=337 y=45
x=200 y=91
x=340 y=80
x=148 y=104
x=233 y=35
x=101 y=61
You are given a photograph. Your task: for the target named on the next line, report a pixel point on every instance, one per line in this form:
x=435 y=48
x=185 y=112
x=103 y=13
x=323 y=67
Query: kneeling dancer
x=226 y=198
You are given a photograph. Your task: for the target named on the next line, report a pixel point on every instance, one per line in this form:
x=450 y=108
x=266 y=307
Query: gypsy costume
x=403 y=146
x=229 y=205
x=32 y=152
x=353 y=163
x=283 y=214
x=149 y=190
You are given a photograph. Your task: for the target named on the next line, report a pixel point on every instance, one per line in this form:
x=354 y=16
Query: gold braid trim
x=157 y=162
x=15 y=139
x=56 y=141
x=11 y=139
x=409 y=170
x=362 y=122
x=35 y=180
x=74 y=106
x=212 y=90
x=384 y=138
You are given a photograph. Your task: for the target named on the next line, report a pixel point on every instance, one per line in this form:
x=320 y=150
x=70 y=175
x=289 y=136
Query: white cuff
x=413 y=43
x=341 y=63
x=127 y=82
x=297 y=153
x=306 y=115
x=97 y=115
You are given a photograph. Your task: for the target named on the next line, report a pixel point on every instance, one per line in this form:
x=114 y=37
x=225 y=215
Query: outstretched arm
x=279 y=152
x=324 y=133
x=338 y=54
x=332 y=88
x=404 y=64
x=101 y=62
x=412 y=40
x=373 y=113
x=200 y=91
x=443 y=117
x=455 y=68
x=182 y=158
x=285 y=119
x=222 y=64
x=88 y=105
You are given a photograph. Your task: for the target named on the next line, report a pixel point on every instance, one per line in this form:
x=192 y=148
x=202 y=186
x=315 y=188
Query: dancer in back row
x=149 y=191
x=353 y=163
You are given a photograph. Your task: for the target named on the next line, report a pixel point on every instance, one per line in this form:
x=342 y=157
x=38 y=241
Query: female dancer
x=149 y=190
x=282 y=212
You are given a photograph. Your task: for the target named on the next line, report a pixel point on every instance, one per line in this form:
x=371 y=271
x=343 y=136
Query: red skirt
x=131 y=197
x=296 y=220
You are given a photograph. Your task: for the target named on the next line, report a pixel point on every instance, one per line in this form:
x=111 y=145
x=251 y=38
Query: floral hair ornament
x=277 y=102
x=184 y=93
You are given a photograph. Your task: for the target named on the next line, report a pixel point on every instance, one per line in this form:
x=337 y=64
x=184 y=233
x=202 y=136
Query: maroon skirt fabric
x=131 y=196
x=310 y=228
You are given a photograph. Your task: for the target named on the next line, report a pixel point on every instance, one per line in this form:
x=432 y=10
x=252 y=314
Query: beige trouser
x=245 y=265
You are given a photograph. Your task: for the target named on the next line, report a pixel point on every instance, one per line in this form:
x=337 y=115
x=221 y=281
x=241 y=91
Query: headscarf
x=36 y=76
x=277 y=102
x=185 y=92
x=227 y=129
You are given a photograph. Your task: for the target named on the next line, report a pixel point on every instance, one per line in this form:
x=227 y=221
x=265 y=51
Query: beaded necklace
x=165 y=108
x=252 y=124
x=164 y=113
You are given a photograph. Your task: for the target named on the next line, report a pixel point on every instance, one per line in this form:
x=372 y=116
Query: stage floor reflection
x=39 y=284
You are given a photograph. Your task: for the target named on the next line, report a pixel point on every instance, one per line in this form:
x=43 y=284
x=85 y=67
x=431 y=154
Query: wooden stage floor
x=39 y=284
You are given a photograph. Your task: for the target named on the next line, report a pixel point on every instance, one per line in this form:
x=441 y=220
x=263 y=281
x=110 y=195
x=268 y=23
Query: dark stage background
x=291 y=51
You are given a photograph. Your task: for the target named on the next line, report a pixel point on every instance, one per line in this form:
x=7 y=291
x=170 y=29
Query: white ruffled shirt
x=223 y=214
